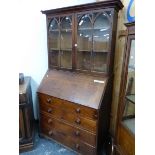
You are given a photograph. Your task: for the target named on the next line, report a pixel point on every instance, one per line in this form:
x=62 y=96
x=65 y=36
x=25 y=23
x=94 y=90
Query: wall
x=33 y=40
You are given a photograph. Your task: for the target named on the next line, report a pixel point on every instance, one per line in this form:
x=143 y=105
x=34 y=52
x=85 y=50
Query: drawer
x=69 y=106
x=71 y=142
x=68 y=130
x=74 y=119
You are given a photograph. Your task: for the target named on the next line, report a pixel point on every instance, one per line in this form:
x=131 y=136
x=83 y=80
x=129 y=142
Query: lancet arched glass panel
x=66 y=42
x=84 y=42
x=53 y=35
x=101 y=39
x=54 y=42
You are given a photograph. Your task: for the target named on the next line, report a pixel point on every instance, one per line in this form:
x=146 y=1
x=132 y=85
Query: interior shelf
x=101 y=29
x=66 y=30
x=54 y=49
x=69 y=49
x=100 y=51
x=55 y=30
x=84 y=50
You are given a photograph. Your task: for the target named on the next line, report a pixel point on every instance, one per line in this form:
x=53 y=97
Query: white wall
x=33 y=43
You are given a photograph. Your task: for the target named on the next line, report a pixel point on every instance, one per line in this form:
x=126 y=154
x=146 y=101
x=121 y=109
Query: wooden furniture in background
x=125 y=134
x=75 y=93
x=26 y=118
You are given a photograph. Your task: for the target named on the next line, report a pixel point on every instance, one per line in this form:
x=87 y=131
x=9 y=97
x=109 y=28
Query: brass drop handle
x=50 y=132
x=77 y=133
x=78 y=121
x=49 y=110
x=78 y=110
x=77 y=146
x=49 y=121
x=49 y=100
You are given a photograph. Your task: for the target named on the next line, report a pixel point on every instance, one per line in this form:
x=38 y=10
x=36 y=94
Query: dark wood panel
x=68 y=129
x=73 y=108
x=63 y=138
x=79 y=88
x=26 y=118
x=21 y=126
x=90 y=6
x=81 y=122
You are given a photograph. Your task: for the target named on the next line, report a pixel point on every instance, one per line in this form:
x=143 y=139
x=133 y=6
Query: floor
x=47 y=147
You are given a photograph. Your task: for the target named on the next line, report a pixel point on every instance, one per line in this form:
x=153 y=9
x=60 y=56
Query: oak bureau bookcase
x=75 y=93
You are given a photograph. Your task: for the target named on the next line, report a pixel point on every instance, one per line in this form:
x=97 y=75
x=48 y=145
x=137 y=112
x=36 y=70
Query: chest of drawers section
x=72 y=125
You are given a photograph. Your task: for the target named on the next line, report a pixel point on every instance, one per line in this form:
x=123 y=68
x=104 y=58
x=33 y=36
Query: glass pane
x=66 y=40
x=129 y=110
x=53 y=40
x=66 y=22
x=84 y=40
x=83 y=60
x=132 y=56
x=54 y=58
x=53 y=25
x=101 y=21
x=84 y=34
x=66 y=59
x=101 y=33
x=109 y=13
x=85 y=22
x=101 y=40
x=100 y=61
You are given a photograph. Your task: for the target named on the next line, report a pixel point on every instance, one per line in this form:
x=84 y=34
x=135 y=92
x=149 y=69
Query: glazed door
x=93 y=40
x=60 y=42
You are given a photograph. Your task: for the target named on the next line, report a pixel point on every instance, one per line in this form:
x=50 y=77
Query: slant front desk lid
x=75 y=87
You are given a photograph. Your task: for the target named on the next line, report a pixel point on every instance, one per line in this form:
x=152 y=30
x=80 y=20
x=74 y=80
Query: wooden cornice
x=117 y=4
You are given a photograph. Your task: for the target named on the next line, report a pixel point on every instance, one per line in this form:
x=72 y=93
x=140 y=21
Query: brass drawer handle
x=49 y=110
x=77 y=146
x=78 y=121
x=77 y=133
x=50 y=132
x=49 y=121
x=78 y=110
x=49 y=100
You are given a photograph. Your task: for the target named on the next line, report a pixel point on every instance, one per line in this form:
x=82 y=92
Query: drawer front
x=68 y=130
x=69 y=106
x=75 y=144
x=71 y=118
